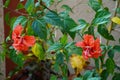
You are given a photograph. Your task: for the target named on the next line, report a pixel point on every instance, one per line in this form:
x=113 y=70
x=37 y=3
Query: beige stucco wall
x=2 y=64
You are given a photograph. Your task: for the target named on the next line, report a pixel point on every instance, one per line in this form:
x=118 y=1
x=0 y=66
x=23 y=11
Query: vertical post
x=2 y=63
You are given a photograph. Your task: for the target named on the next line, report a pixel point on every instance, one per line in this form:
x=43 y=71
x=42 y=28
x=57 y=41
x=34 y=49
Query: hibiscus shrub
x=33 y=46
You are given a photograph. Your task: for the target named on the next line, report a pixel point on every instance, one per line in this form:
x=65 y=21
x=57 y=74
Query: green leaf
x=67 y=8
x=53 y=77
x=97 y=63
x=2 y=56
x=94 y=78
x=39 y=28
x=110 y=65
x=64 y=14
x=56 y=67
x=65 y=25
x=78 y=79
x=111 y=53
x=7 y=18
x=53 y=18
x=20 y=20
x=98 y=21
x=48 y=2
x=82 y=25
x=116 y=48
x=90 y=30
x=87 y=75
x=29 y=6
x=64 y=39
x=17 y=58
x=73 y=49
x=116 y=76
x=58 y=61
x=55 y=47
x=64 y=69
x=20 y=6
x=7 y=2
x=103 y=14
x=65 y=78
x=101 y=17
x=104 y=75
x=100 y=1
x=38 y=51
x=59 y=1
x=95 y=5
x=12 y=21
x=37 y=4
x=118 y=10
x=68 y=24
x=69 y=44
x=104 y=32
x=66 y=54
x=29 y=29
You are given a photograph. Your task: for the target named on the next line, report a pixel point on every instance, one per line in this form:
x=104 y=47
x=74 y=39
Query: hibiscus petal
x=91 y=47
x=29 y=40
x=96 y=54
x=89 y=40
x=20 y=47
x=97 y=44
x=17 y=32
x=85 y=57
x=80 y=44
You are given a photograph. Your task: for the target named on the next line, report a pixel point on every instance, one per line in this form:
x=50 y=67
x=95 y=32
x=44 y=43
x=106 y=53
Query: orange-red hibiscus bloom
x=17 y=32
x=91 y=47
x=22 y=43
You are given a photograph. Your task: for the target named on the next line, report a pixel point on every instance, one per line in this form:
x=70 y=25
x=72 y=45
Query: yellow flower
x=77 y=62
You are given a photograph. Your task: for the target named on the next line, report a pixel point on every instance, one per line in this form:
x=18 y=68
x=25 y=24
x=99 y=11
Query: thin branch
x=80 y=35
x=16 y=11
x=115 y=13
x=112 y=24
x=46 y=7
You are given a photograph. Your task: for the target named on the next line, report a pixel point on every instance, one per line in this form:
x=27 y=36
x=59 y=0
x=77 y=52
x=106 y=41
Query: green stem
x=112 y=25
x=80 y=35
x=115 y=13
x=41 y=3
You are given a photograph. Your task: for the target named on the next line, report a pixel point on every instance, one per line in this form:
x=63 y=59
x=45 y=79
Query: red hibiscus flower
x=22 y=43
x=17 y=32
x=91 y=47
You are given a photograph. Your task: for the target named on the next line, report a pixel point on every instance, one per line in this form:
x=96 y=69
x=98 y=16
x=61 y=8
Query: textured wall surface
x=2 y=64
